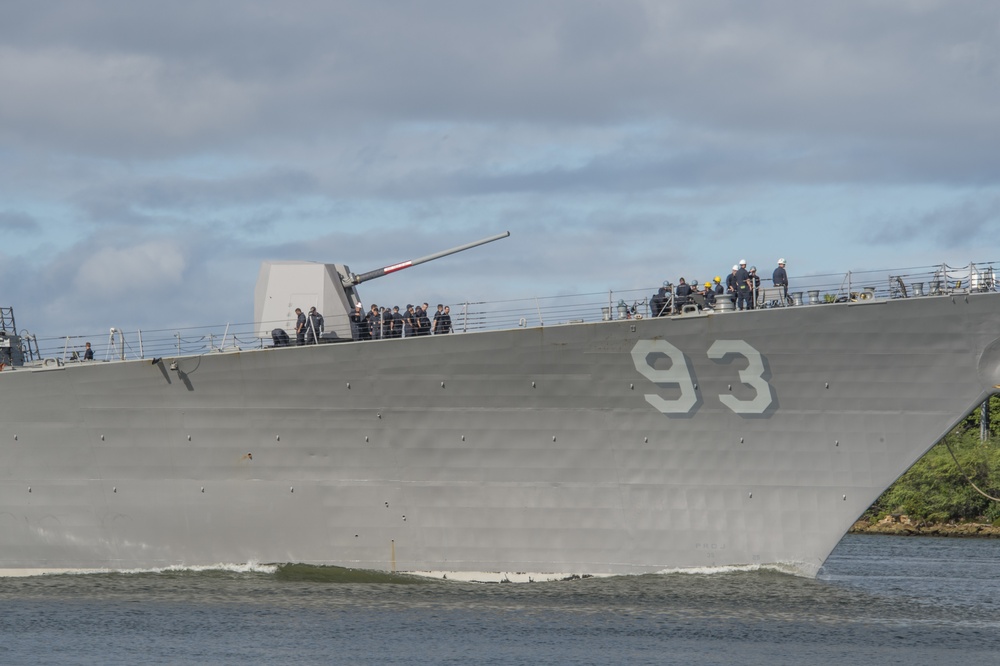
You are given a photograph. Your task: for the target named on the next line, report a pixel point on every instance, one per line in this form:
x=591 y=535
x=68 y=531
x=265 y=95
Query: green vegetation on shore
x=935 y=490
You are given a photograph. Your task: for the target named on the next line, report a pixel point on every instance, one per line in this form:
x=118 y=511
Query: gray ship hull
x=619 y=447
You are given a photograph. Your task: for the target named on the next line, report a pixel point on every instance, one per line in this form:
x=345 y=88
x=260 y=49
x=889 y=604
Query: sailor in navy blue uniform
x=754 y=281
x=300 y=327
x=358 y=323
x=683 y=294
x=742 y=279
x=444 y=323
x=731 y=288
x=314 y=327
x=780 y=279
x=423 y=321
x=658 y=303
x=397 y=323
x=409 y=322
x=374 y=323
x=436 y=326
x=719 y=289
x=709 y=295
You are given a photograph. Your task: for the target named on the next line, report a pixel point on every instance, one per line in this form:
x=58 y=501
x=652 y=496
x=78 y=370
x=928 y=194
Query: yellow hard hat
x=708 y=284
x=718 y=279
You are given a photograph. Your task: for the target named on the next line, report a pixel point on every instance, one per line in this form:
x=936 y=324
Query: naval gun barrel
x=353 y=279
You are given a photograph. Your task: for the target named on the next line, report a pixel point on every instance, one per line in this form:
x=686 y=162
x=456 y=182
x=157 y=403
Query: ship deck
x=569 y=309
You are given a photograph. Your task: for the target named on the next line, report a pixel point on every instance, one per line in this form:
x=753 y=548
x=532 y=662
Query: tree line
x=936 y=490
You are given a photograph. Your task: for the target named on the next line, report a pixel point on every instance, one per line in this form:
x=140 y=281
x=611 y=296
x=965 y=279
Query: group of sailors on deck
x=375 y=324
x=383 y=323
x=742 y=288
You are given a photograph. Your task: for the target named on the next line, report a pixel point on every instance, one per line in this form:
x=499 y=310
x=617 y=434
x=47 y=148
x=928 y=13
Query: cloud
x=172 y=199
x=152 y=155
x=962 y=224
x=141 y=269
x=157 y=81
x=123 y=104
x=137 y=280
x=16 y=222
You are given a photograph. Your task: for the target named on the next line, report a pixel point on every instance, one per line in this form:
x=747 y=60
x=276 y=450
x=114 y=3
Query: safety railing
x=472 y=316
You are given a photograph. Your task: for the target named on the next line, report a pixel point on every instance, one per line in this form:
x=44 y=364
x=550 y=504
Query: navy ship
x=596 y=445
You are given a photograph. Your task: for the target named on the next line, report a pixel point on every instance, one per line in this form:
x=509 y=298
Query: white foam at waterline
x=794 y=569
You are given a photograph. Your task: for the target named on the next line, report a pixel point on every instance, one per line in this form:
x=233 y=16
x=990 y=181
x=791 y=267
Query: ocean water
x=879 y=600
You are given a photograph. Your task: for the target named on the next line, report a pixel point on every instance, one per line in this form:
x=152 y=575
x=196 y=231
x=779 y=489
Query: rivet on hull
x=115 y=489
x=189 y=438
x=292 y=489
x=277 y=438
x=442 y=384
x=750 y=495
x=203 y=489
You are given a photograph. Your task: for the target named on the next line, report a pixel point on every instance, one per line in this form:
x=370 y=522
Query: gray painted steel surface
x=605 y=448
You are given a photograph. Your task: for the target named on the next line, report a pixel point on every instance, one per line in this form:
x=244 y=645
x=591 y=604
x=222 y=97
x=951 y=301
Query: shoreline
x=904 y=526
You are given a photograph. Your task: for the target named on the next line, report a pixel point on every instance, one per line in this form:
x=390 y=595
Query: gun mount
x=352 y=279
x=283 y=286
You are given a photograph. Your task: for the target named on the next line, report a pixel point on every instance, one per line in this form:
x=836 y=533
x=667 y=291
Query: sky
x=153 y=154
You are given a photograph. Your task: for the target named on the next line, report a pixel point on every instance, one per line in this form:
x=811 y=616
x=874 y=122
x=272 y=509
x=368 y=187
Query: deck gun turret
x=283 y=286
